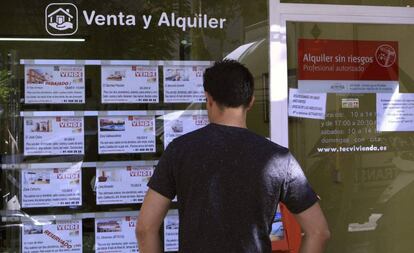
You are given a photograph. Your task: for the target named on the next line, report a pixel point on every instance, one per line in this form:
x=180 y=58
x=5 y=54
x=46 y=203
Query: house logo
x=61 y=19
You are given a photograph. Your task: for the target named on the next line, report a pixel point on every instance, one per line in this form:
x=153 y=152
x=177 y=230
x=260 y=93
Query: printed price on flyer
x=53 y=136
x=126 y=134
x=60 y=236
x=175 y=127
x=184 y=84
x=129 y=84
x=52 y=187
x=171 y=224
x=54 y=84
x=122 y=185
x=115 y=235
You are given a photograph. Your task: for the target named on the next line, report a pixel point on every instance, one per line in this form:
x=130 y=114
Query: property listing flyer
x=129 y=84
x=126 y=134
x=171 y=224
x=122 y=185
x=184 y=84
x=60 y=236
x=52 y=187
x=53 y=136
x=115 y=235
x=177 y=126
x=347 y=66
x=47 y=84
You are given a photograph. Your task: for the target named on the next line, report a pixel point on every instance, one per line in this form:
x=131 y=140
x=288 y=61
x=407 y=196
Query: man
x=228 y=180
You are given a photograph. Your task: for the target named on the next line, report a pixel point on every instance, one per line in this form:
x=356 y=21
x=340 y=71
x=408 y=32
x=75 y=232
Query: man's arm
x=315 y=227
x=150 y=217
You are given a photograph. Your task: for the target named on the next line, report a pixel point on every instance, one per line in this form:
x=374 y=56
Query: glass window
x=92 y=92
x=359 y=155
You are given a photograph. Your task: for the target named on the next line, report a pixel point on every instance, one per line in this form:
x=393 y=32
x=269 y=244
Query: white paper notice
x=52 y=187
x=171 y=224
x=49 y=84
x=115 y=235
x=307 y=105
x=61 y=236
x=184 y=84
x=53 y=136
x=395 y=112
x=129 y=84
x=122 y=185
x=126 y=134
x=177 y=126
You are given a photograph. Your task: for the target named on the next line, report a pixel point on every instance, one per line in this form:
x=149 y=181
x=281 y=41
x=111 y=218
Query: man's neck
x=235 y=117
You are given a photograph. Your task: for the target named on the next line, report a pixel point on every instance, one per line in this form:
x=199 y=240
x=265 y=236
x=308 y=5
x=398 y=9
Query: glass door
x=349 y=118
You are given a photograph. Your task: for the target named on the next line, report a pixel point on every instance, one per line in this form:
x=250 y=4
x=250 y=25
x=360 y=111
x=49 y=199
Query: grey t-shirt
x=228 y=182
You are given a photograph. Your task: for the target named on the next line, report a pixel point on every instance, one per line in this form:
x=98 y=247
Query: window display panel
x=86 y=115
x=115 y=234
x=129 y=84
x=54 y=84
x=59 y=236
x=358 y=157
x=122 y=185
x=51 y=187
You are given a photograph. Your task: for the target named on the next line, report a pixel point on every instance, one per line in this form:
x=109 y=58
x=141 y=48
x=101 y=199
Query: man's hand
x=315 y=227
x=150 y=218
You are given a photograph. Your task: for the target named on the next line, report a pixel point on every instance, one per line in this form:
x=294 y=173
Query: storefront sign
x=177 y=125
x=49 y=84
x=129 y=84
x=395 y=112
x=122 y=185
x=53 y=136
x=64 y=18
x=184 y=84
x=115 y=235
x=126 y=134
x=52 y=187
x=311 y=105
x=60 y=236
x=347 y=66
x=171 y=224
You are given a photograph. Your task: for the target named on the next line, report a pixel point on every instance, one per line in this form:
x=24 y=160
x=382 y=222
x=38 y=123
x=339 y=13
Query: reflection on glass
x=362 y=171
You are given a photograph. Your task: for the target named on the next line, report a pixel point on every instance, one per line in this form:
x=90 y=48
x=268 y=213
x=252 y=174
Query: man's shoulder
x=266 y=143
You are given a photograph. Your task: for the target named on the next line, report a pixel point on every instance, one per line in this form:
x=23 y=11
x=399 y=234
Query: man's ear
x=209 y=99
x=251 y=103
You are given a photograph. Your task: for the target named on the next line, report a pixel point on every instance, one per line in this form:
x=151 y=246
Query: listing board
x=59 y=236
x=51 y=187
x=115 y=234
x=122 y=185
x=129 y=84
x=171 y=225
x=126 y=134
x=53 y=136
x=184 y=84
x=48 y=84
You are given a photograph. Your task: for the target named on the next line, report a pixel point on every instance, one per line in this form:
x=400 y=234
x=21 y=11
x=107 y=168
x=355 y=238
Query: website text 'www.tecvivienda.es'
x=353 y=148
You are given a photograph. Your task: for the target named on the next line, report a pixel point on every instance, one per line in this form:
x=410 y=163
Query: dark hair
x=230 y=83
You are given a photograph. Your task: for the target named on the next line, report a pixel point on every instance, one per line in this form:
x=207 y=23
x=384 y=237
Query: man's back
x=228 y=181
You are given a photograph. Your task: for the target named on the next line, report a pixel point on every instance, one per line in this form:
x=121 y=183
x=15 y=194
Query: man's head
x=230 y=84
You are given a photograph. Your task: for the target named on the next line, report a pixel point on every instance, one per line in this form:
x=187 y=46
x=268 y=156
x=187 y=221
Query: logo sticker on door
x=61 y=19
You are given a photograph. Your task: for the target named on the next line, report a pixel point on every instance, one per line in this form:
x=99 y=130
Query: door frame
x=280 y=14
